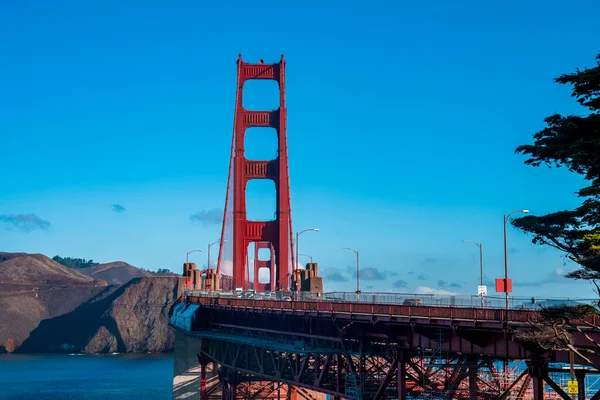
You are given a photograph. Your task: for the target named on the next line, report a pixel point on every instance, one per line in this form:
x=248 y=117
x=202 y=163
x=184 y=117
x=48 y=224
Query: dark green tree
x=70 y=262
x=572 y=142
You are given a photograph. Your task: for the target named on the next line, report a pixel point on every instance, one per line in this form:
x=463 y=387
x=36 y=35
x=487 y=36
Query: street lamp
x=209 y=246
x=480 y=245
x=506 y=255
x=306 y=255
x=296 y=266
x=357 y=272
x=188 y=253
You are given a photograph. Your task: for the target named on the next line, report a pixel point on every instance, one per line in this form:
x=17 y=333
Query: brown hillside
x=24 y=306
x=37 y=269
x=115 y=273
x=132 y=318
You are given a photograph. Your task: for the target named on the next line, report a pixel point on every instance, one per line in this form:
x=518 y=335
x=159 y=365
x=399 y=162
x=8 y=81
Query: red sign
x=503 y=285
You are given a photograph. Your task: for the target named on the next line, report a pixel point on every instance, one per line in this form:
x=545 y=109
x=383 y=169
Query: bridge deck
x=484 y=317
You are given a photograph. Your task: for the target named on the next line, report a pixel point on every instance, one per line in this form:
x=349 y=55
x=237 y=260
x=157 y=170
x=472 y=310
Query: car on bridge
x=412 y=302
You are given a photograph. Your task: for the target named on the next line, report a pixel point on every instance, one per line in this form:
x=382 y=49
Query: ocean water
x=61 y=377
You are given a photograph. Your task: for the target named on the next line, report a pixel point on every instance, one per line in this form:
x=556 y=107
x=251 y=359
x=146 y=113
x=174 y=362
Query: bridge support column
x=228 y=390
x=473 y=370
x=291 y=393
x=580 y=375
x=401 y=378
x=536 y=371
x=203 y=391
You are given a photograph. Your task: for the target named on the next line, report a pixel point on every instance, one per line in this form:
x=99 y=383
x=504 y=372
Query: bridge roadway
x=369 y=350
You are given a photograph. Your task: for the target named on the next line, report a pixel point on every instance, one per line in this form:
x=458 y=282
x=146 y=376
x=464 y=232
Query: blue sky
x=402 y=122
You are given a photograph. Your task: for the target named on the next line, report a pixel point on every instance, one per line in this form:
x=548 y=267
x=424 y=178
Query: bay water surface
x=61 y=377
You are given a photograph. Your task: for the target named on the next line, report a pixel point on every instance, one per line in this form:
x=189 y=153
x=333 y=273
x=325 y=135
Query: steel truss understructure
x=395 y=375
x=361 y=356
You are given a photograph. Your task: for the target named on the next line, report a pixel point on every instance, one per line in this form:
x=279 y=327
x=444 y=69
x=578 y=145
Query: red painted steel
x=258 y=264
x=428 y=312
x=277 y=232
x=503 y=285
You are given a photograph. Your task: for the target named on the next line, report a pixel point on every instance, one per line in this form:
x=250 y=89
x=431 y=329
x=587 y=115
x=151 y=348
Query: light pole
x=480 y=245
x=357 y=272
x=296 y=266
x=209 y=246
x=188 y=253
x=306 y=255
x=506 y=253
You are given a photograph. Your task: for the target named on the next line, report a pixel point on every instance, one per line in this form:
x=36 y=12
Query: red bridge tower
x=238 y=232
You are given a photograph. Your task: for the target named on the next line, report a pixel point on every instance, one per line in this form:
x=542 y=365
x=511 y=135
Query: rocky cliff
x=129 y=318
x=43 y=303
x=33 y=287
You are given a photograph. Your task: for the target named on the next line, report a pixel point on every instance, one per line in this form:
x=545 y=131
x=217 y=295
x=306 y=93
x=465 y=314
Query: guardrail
x=469 y=301
x=431 y=312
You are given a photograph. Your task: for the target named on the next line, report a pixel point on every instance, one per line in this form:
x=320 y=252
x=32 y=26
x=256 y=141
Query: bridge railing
x=458 y=300
x=432 y=300
x=526 y=316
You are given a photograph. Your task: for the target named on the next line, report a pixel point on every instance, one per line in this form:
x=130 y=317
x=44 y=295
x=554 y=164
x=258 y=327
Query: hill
x=129 y=318
x=35 y=289
x=24 y=307
x=38 y=270
x=114 y=273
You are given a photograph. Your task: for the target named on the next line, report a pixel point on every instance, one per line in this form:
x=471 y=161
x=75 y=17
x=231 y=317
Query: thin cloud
x=335 y=276
x=117 y=208
x=513 y=250
x=489 y=282
x=204 y=217
x=421 y=277
x=428 y=290
x=23 y=222
x=400 y=284
x=370 y=273
x=556 y=276
x=430 y=260
x=453 y=285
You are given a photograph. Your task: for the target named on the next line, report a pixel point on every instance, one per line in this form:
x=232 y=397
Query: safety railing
x=411 y=311
x=435 y=300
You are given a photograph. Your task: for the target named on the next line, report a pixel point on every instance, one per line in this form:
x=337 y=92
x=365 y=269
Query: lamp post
x=357 y=272
x=296 y=266
x=188 y=253
x=506 y=217
x=306 y=255
x=480 y=245
x=209 y=246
